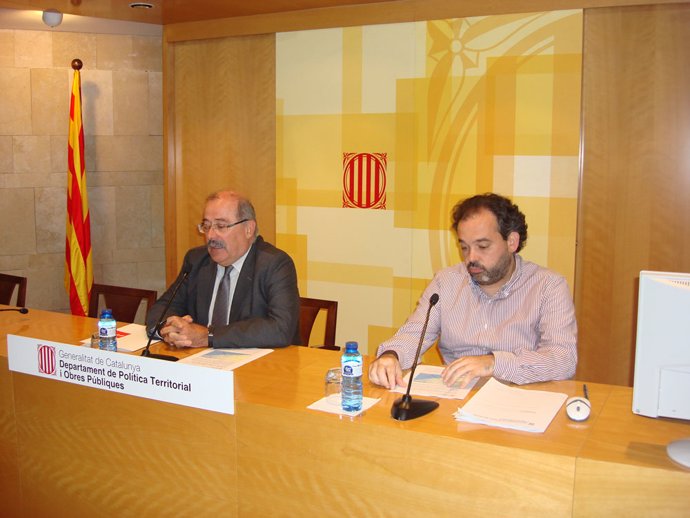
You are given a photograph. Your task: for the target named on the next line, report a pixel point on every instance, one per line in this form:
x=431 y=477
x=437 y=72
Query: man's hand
x=386 y=371
x=467 y=368
x=183 y=332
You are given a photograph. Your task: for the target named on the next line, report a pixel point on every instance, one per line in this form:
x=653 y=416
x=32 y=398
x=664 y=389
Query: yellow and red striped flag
x=78 y=268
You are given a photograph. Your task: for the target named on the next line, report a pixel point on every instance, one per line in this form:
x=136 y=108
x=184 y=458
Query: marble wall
x=122 y=117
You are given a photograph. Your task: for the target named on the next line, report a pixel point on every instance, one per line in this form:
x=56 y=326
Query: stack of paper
x=132 y=337
x=427 y=382
x=225 y=359
x=497 y=404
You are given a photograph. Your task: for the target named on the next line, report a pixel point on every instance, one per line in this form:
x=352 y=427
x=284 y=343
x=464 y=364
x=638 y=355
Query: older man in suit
x=240 y=291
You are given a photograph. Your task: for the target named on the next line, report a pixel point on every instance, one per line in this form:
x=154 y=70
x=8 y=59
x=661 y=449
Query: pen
x=584 y=388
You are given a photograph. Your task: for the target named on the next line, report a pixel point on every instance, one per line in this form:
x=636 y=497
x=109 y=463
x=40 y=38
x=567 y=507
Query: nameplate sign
x=172 y=382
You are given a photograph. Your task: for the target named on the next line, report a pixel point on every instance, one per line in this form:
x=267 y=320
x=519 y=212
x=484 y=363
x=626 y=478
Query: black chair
x=309 y=310
x=123 y=301
x=7 y=285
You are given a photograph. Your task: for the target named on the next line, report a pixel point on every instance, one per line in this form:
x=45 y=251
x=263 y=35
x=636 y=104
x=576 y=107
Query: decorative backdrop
x=382 y=129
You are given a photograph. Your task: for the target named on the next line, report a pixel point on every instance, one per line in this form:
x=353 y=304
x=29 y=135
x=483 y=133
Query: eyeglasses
x=221 y=228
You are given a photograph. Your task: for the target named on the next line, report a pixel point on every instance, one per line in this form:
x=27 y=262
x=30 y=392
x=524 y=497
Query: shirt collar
x=237 y=265
x=505 y=289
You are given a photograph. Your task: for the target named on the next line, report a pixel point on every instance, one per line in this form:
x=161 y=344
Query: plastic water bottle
x=107 y=333
x=351 y=390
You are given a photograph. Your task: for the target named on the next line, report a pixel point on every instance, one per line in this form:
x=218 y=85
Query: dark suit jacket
x=265 y=306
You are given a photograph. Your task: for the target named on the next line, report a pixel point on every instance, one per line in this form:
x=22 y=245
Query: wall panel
x=458 y=107
x=636 y=121
x=634 y=212
x=375 y=13
x=221 y=113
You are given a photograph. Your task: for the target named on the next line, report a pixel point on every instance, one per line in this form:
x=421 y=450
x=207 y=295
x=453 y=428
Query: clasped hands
x=386 y=371
x=183 y=332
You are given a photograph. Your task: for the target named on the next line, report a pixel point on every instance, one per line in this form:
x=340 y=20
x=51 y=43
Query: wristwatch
x=210 y=336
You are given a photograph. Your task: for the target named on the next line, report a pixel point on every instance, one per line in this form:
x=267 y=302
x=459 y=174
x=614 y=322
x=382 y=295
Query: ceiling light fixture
x=52 y=17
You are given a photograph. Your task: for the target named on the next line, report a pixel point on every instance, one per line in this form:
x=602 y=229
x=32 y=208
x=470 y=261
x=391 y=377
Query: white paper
x=129 y=338
x=499 y=405
x=427 y=382
x=225 y=359
x=332 y=404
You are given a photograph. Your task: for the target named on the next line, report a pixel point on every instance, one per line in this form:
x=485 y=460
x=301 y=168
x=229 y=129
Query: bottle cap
x=351 y=346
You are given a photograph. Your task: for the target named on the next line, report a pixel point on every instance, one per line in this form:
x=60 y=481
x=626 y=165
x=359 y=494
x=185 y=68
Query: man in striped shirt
x=497 y=314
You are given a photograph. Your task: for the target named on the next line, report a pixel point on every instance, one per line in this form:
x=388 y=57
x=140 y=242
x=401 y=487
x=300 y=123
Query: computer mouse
x=578 y=408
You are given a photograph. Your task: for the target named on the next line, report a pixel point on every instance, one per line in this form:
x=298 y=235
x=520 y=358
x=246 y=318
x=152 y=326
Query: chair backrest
x=7 y=285
x=309 y=310
x=123 y=301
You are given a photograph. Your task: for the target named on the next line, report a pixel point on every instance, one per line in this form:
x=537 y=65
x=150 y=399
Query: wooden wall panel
x=374 y=13
x=220 y=130
x=220 y=109
x=634 y=212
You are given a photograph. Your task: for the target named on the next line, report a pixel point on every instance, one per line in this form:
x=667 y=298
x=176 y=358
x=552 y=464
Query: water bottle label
x=107 y=329
x=352 y=368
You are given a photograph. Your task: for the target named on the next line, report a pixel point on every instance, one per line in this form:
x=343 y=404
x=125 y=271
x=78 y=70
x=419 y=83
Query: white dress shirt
x=529 y=324
x=234 y=274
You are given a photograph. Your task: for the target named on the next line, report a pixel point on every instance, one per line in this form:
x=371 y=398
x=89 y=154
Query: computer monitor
x=661 y=386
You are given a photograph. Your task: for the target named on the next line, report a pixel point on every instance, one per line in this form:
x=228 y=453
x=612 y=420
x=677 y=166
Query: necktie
x=220 y=308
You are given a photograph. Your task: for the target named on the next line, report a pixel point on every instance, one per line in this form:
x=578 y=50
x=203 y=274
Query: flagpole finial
x=76 y=64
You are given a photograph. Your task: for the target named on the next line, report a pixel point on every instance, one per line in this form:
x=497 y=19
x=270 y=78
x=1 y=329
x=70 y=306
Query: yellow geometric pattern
x=460 y=107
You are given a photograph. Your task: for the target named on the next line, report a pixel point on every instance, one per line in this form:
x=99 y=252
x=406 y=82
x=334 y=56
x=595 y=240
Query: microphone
x=23 y=311
x=146 y=352
x=405 y=408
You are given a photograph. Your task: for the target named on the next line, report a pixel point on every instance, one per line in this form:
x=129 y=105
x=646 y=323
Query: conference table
x=70 y=450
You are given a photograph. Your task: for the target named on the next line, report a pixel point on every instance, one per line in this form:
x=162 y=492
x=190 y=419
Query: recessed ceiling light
x=141 y=5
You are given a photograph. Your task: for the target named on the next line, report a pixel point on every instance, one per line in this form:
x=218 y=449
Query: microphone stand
x=23 y=311
x=405 y=408
x=146 y=352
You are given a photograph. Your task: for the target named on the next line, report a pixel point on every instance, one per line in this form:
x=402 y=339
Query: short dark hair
x=508 y=215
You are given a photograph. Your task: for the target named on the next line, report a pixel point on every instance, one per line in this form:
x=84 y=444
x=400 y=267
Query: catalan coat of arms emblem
x=46 y=359
x=364 y=180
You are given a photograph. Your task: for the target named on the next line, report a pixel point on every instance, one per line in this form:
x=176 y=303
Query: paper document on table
x=499 y=405
x=332 y=404
x=129 y=338
x=427 y=382
x=225 y=359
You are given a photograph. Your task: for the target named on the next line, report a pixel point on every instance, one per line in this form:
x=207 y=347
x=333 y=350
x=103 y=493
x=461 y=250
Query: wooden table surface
x=89 y=452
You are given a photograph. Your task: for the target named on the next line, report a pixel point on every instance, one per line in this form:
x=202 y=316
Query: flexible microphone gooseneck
x=146 y=352
x=23 y=311
x=405 y=408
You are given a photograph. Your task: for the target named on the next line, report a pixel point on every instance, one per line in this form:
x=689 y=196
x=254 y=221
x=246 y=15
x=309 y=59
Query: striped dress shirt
x=529 y=325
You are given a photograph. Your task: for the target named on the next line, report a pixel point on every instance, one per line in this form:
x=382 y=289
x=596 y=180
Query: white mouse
x=578 y=408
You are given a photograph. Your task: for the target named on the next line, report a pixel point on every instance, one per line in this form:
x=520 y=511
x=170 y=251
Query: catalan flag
x=78 y=268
